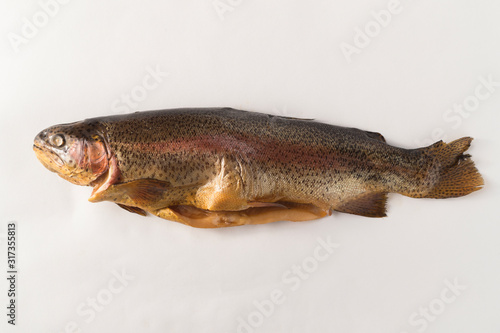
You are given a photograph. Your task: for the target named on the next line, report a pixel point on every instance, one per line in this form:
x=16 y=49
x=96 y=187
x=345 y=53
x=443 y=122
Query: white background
x=274 y=56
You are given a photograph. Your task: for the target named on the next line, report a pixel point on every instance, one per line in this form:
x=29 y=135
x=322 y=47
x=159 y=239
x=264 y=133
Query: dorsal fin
x=375 y=135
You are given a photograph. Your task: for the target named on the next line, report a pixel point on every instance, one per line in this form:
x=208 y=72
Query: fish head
x=77 y=152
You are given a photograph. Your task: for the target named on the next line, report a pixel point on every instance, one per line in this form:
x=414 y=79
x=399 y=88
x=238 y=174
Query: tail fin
x=457 y=174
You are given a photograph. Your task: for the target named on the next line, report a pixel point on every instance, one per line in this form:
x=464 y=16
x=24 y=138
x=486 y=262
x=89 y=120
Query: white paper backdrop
x=409 y=69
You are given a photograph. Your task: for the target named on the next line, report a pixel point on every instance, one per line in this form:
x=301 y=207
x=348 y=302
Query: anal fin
x=369 y=205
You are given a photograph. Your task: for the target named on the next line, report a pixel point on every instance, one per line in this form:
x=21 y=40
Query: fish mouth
x=35 y=147
x=49 y=159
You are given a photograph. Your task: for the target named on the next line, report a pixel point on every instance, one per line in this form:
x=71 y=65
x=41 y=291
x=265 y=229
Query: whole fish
x=223 y=167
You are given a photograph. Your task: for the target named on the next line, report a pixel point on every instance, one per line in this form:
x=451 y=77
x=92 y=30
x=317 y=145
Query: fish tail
x=457 y=174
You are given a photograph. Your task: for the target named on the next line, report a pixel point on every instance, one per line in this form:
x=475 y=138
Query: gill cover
x=97 y=156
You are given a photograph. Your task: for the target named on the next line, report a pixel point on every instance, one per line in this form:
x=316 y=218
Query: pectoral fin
x=135 y=193
x=145 y=191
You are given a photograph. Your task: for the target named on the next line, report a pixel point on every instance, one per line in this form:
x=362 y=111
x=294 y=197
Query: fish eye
x=57 y=140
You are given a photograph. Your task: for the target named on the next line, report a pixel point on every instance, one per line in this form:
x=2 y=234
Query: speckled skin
x=259 y=157
x=231 y=165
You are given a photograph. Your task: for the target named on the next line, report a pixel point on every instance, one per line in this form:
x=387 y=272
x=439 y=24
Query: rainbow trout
x=223 y=167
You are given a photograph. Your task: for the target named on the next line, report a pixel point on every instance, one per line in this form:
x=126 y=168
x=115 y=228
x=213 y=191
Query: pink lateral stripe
x=253 y=148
